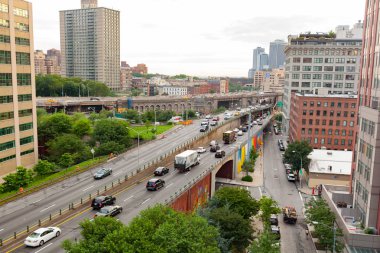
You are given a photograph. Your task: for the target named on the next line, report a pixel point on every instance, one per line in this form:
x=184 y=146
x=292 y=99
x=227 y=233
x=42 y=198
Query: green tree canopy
x=268 y=206
x=14 y=181
x=295 y=151
x=265 y=243
x=67 y=143
x=44 y=167
x=107 y=130
x=82 y=127
x=54 y=125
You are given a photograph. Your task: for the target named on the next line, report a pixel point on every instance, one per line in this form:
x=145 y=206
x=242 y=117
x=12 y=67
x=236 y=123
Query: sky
x=202 y=37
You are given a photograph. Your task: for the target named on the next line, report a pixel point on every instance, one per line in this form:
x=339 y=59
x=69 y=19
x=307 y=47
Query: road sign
x=280 y=104
x=92 y=151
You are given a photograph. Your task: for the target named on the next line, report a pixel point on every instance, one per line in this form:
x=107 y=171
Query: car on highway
x=204 y=123
x=102 y=173
x=214 y=148
x=213 y=123
x=220 y=154
x=201 y=150
x=41 y=236
x=254 y=122
x=213 y=143
x=109 y=211
x=154 y=184
x=160 y=171
x=291 y=177
x=208 y=116
x=216 y=118
x=260 y=123
x=240 y=133
x=101 y=201
x=203 y=128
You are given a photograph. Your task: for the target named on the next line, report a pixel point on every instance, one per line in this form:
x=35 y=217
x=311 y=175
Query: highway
x=137 y=198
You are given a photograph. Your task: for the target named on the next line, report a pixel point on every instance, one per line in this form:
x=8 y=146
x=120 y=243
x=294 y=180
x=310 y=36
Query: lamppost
x=300 y=168
x=334 y=231
x=138 y=145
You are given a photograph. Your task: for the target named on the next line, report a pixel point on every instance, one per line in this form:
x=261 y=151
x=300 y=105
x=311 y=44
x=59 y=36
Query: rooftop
x=330 y=161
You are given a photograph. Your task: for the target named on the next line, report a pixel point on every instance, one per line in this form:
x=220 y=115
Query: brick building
x=323 y=120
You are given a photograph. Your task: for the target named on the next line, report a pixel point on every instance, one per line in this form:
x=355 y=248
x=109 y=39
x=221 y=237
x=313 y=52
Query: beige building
x=90 y=44
x=273 y=81
x=18 y=119
x=330 y=167
x=125 y=76
x=39 y=63
x=47 y=64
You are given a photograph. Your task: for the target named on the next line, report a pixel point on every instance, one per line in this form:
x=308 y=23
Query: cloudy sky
x=202 y=37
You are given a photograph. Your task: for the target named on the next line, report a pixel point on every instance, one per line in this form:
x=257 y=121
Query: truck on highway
x=290 y=214
x=185 y=160
x=229 y=137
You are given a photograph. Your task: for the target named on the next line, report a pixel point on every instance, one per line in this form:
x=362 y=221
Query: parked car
x=220 y=154
x=288 y=168
x=213 y=143
x=240 y=133
x=102 y=173
x=201 y=150
x=276 y=231
x=282 y=147
x=109 y=211
x=214 y=148
x=160 y=171
x=101 y=201
x=273 y=220
x=244 y=128
x=236 y=130
x=254 y=122
x=291 y=177
x=41 y=236
x=154 y=184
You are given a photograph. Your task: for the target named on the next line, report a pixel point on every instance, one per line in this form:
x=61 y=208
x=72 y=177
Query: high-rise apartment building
x=366 y=179
x=90 y=43
x=277 y=54
x=320 y=64
x=256 y=58
x=18 y=118
x=125 y=76
x=46 y=64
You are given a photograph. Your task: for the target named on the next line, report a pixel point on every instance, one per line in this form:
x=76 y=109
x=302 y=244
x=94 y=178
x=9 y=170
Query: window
x=329 y=68
x=322 y=141
x=339 y=76
x=22 y=27
x=327 y=76
x=306 y=76
x=350 y=69
x=317 y=76
x=7 y=130
x=6 y=99
x=336 y=142
x=316 y=131
x=311 y=103
x=351 y=60
x=350 y=77
x=342 y=142
x=27 y=126
x=295 y=76
x=336 y=132
x=369 y=151
x=310 y=122
x=5 y=57
x=350 y=133
x=332 y=104
x=331 y=113
x=330 y=131
x=349 y=85
x=317 y=68
x=303 y=121
x=24 y=113
x=319 y=104
x=296 y=60
x=324 y=122
x=24 y=80
x=351 y=123
x=316 y=84
x=318 y=113
x=4 y=8
x=344 y=132
x=307 y=60
x=22 y=41
x=323 y=132
x=6 y=115
x=25 y=97
x=318 y=60
x=324 y=113
x=4 y=23
x=339 y=60
x=26 y=140
x=339 y=104
x=304 y=112
x=345 y=114
x=304 y=103
x=306 y=68
x=5 y=79
x=315 y=140
x=338 y=85
x=7 y=145
x=325 y=104
x=303 y=131
x=27 y=152
x=344 y=122
x=305 y=84
x=22 y=58
x=310 y=131
x=339 y=68
x=20 y=12
x=337 y=123
x=329 y=140
x=329 y=60
x=296 y=68
x=352 y=114
x=5 y=39
x=338 y=113
x=7 y=158
x=353 y=105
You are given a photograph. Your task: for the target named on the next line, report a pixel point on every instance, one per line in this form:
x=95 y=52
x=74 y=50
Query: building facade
x=47 y=64
x=366 y=183
x=274 y=81
x=320 y=63
x=90 y=43
x=140 y=69
x=323 y=121
x=172 y=90
x=125 y=76
x=39 y=63
x=18 y=118
x=277 y=54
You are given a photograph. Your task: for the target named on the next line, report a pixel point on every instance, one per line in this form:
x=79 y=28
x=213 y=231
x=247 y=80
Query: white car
x=236 y=130
x=41 y=236
x=240 y=133
x=201 y=150
x=208 y=117
x=291 y=177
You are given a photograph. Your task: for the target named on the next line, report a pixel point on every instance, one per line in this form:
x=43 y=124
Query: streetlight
x=334 y=231
x=138 y=146
x=300 y=169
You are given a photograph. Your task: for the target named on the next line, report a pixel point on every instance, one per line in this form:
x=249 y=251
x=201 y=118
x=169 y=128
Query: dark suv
x=220 y=154
x=214 y=148
x=160 y=171
x=154 y=184
x=100 y=201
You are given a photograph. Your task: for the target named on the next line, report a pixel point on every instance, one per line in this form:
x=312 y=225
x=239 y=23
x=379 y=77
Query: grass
x=146 y=133
x=39 y=181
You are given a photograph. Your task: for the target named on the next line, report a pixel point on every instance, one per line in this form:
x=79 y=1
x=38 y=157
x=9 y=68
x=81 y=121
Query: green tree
x=246 y=166
x=54 y=125
x=108 y=148
x=268 y=206
x=295 y=151
x=82 y=127
x=220 y=109
x=148 y=124
x=66 y=160
x=107 y=130
x=265 y=243
x=67 y=143
x=14 y=181
x=44 y=167
x=238 y=200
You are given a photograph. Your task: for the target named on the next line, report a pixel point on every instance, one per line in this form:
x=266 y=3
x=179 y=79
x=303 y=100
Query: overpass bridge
x=204 y=103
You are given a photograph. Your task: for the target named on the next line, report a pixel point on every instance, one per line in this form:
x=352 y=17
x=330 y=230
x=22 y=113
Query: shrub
x=44 y=167
x=247 y=178
x=108 y=148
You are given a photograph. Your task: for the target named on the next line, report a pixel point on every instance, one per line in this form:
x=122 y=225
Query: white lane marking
x=88 y=188
x=169 y=185
x=1 y=229
x=128 y=198
x=145 y=201
x=43 y=248
x=37 y=201
x=261 y=193
x=187 y=173
x=47 y=208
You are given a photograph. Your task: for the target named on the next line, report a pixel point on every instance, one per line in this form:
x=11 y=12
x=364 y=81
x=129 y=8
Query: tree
x=44 y=167
x=268 y=206
x=322 y=218
x=159 y=228
x=66 y=160
x=148 y=124
x=82 y=127
x=107 y=130
x=14 y=181
x=108 y=148
x=246 y=166
x=266 y=243
x=238 y=200
x=295 y=151
x=233 y=228
x=67 y=143
x=54 y=125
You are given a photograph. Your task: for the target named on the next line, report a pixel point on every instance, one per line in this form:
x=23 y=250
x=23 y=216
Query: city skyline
x=199 y=41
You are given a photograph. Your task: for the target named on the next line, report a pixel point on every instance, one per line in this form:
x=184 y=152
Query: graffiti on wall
x=256 y=142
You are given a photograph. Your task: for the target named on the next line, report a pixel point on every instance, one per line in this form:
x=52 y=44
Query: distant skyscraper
x=263 y=61
x=90 y=43
x=256 y=57
x=277 y=54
